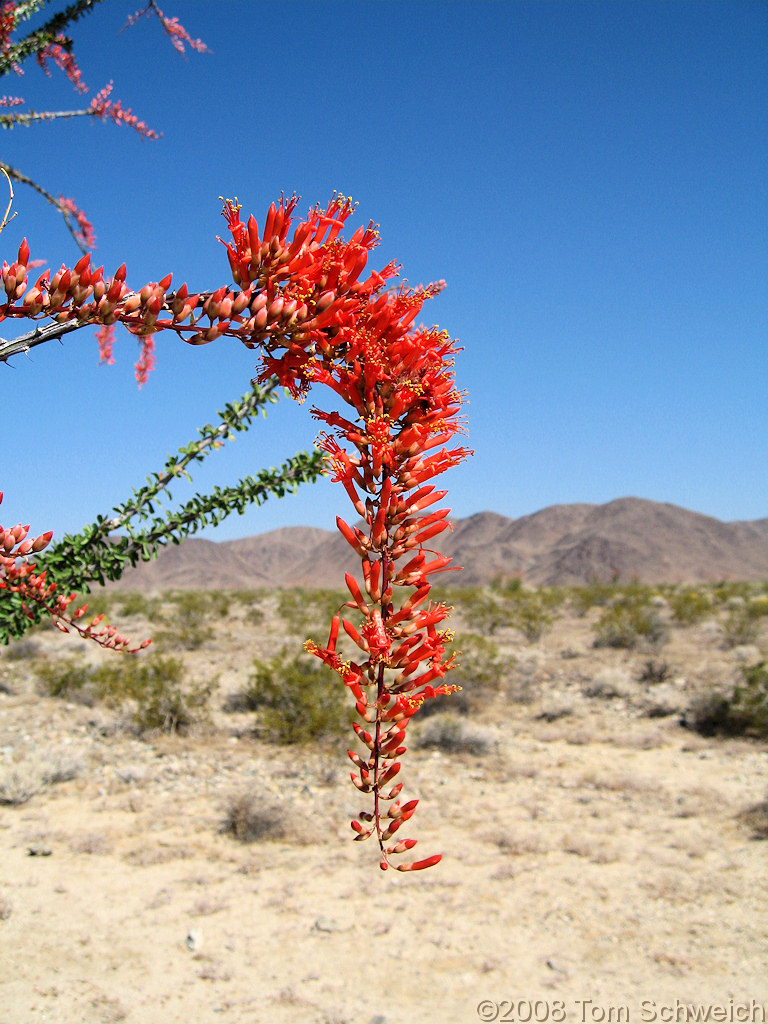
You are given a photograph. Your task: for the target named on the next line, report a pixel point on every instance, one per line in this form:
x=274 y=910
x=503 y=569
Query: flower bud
x=325 y=301
x=42 y=541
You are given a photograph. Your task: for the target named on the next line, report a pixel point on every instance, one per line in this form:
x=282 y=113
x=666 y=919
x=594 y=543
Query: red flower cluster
x=306 y=303
x=84 y=232
x=63 y=60
x=398 y=382
x=102 y=106
x=18 y=576
x=172 y=26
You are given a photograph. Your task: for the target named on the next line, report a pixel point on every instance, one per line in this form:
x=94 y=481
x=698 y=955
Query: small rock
x=39 y=850
x=326 y=924
x=194 y=940
x=558 y=966
x=131 y=772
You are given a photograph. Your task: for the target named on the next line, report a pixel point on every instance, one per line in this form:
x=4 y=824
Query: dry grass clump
x=608 y=684
x=453 y=735
x=20 y=782
x=250 y=819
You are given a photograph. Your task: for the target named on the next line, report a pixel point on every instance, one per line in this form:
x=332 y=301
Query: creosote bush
x=743 y=712
x=190 y=615
x=305 y=610
x=20 y=782
x=154 y=685
x=480 y=664
x=592 y=595
x=629 y=621
x=756 y=819
x=742 y=625
x=163 y=700
x=690 y=605
x=297 y=700
x=510 y=605
x=134 y=603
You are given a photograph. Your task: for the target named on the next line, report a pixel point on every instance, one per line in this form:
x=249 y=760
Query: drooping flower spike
x=305 y=302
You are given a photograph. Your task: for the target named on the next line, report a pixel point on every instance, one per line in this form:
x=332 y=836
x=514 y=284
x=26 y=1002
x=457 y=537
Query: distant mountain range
x=630 y=538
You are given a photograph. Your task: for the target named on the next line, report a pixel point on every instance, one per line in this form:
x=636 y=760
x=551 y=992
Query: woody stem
x=379 y=708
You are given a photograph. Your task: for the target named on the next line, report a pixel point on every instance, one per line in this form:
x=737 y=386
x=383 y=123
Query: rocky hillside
x=630 y=538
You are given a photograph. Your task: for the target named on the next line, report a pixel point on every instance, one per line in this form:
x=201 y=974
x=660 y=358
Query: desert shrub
x=708 y=713
x=480 y=663
x=741 y=625
x=249 y=819
x=23 y=649
x=607 y=684
x=326 y=603
x=292 y=607
x=553 y=597
x=756 y=819
x=19 y=784
x=750 y=701
x=153 y=684
x=690 y=605
x=303 y=610
x=297 y=699
x=485 y=610
x=134 y=603
x=655 y=672
x=190 y=618
x=250 y=599
x=530 y=614
x=453 y=735
x=627 y=622
x=157 y=687
x=64 y=677
x=506 y=584
x=480 y=669
x=743 y=712
x=725 y=591
x=593 y=595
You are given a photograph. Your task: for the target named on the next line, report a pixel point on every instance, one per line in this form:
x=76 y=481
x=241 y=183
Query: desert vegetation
x=649 y=635
x=203 y=783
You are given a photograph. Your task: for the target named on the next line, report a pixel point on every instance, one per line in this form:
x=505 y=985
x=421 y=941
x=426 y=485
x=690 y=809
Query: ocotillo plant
x=301 y=302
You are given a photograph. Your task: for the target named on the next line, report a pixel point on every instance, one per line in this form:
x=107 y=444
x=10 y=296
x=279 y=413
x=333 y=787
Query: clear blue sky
x=589 y=178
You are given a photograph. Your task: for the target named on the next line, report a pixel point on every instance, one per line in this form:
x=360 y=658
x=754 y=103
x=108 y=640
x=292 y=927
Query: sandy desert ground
x=600 y=861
